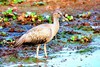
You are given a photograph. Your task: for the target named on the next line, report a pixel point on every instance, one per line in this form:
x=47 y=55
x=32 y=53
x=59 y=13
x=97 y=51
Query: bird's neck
x=56 y=25
x=56 y=22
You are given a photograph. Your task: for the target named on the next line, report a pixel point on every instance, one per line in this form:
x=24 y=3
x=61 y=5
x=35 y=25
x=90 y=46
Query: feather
x=41 y=34
x=36 y=35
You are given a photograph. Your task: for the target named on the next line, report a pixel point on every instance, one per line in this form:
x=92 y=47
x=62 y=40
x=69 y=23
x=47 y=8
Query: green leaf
x=14 y=17
x=70 y=17
x=1 y=43
x=82 y=40
x=30 y=14
x=41 y=3
x=9 y=39
x=1 y=27
x=33 y=19
x=17 y=1
x=4 y=13
x=49 y=18
x=3 y=33
x=6 y=19
x=33 y=13
x=41 y=18
x=1 y=3
x=9 y=11
x=73 y=38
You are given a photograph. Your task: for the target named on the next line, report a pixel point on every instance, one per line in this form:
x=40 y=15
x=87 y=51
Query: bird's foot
x=37 y=57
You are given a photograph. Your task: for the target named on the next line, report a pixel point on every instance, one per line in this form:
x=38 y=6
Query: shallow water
x=60 y=54
x=65 y=59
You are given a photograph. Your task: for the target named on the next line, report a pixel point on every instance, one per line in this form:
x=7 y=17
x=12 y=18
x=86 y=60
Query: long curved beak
x=63 y=17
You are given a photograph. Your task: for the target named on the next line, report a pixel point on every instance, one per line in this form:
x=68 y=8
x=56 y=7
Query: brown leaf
x=11 y=30
x=7 y=24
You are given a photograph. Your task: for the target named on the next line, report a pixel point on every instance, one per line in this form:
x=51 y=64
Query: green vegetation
x=3 y=34
x=84 y=15
x=88 y=49
x=49 y=18
x=15 y=59
x=4 y=2
x=38 y=3
x=17 y=1
x=68 y=18
x=7 y=2
x=24 y=18
x=80 y=39
x=85 y=28
x=9 y=14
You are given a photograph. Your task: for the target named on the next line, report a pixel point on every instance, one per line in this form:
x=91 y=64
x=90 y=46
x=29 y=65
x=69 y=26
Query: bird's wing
x=36 y=35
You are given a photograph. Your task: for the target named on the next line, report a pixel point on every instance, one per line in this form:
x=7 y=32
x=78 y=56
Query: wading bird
x=41 y=34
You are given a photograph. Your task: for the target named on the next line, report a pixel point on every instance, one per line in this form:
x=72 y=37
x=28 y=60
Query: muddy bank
x=77 y=39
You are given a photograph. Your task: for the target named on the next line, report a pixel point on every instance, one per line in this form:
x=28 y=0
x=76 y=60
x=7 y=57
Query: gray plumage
x=41 y=34
x=37 y=35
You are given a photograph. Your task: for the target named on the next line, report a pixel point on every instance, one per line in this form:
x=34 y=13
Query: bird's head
x=58 y=14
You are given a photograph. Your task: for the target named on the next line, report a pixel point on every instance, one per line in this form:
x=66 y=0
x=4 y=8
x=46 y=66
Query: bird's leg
x=45 y=50
x=37 y=51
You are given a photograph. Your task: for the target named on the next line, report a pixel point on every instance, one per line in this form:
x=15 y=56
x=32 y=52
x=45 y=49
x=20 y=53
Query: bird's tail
x=19 y=42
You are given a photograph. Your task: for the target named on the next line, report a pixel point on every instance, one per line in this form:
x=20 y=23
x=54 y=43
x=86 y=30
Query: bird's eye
x=58 y=13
